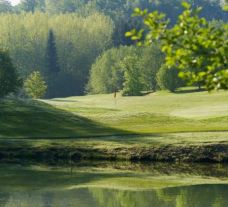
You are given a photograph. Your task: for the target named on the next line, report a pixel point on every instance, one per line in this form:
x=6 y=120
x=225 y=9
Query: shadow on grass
x=35 y=119
x=62 y=100
x=195 y=90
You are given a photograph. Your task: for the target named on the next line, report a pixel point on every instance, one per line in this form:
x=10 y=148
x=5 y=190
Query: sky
x=14 y=2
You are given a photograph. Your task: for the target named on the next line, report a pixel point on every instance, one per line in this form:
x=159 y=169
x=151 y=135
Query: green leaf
x=186 y=5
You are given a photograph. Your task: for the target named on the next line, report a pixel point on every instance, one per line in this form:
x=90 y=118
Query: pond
x=114 y=184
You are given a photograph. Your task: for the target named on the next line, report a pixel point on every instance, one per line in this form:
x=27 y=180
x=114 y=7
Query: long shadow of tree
x=35 y=119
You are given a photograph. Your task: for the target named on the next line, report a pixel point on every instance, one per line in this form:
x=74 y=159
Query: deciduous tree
x=193 y=45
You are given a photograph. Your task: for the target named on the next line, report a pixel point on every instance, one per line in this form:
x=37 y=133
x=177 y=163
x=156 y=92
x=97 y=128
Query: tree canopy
x=108 y=73
x=9 y=80
x=78 y=41
x=193 y=45
x=73 y=36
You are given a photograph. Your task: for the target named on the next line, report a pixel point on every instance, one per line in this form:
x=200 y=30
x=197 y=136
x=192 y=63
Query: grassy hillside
x=159 y=126
x=35 y=119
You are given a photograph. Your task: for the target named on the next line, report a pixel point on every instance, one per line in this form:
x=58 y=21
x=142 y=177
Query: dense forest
x=79 y=46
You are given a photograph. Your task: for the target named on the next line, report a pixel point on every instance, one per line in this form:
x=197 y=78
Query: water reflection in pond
x=114 y=185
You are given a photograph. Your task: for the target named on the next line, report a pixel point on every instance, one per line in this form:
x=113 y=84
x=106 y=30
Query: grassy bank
x=203 y=147
x=187 y=126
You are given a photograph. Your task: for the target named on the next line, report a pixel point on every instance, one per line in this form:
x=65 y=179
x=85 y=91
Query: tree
x=193 y=45
x=52 y=65
x=5 y=6
x=9 y=80
x=134 y=80
x=167 y=78
x=225 y=5
x=151 y=60
x=64 y=6
x=107 y=75
x=35 y=85
x=51 y=55
x=32 y=5
x=78 y=42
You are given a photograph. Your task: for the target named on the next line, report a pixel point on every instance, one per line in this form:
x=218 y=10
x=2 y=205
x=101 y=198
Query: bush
x=168 y=79
x=35 y=86
x=9 y=81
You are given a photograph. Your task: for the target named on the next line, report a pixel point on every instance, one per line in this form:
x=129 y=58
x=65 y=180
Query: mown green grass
x=160 y=112
x=99 y=121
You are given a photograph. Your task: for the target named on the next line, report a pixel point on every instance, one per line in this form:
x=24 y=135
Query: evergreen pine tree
x=52 y=66
x=51 y=55
x=9 y=80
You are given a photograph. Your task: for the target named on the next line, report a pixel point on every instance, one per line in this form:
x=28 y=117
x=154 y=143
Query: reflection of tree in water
x=71 y=198
x=48 y=199
x=4 y=197
x=115 y=198
x=191 y=196
x=194 y=196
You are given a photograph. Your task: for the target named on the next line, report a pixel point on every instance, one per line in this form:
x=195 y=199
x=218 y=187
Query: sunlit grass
x=100 y=122
x=160 y=112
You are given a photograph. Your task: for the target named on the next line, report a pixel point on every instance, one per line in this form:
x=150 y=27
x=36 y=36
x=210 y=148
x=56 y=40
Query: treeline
x=132 y=70
x=84 y=33
x=119 y=10
x=79 y=40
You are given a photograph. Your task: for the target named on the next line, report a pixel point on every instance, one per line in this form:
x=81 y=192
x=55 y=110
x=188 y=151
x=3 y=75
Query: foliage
x=120 y=11
x=134 y=79
x=35 y=85
x=29 y=5
x=79 y=40
x=168 y=78
x=107 y=75
x=83 y=30
x=5 y=6
x=51 y=54
x=224 y=4
x=52 y=65
x=196 y=47
x=9 y=81
x=151 y=60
